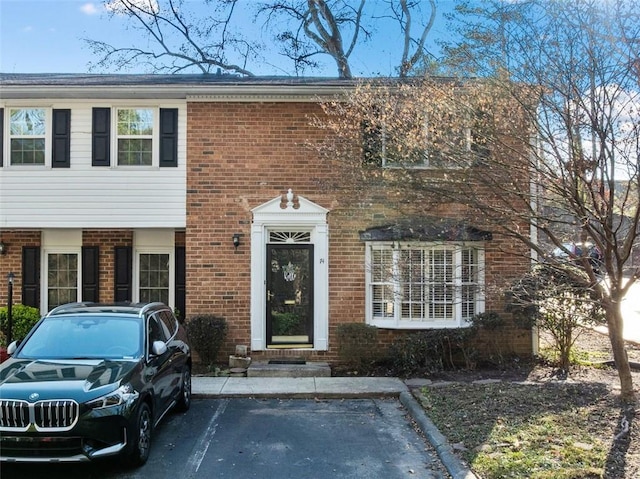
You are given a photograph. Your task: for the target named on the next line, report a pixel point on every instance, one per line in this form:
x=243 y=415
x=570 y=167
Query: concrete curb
x=451 y=462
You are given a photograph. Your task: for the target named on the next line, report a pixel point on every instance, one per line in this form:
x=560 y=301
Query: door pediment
x=296 y=209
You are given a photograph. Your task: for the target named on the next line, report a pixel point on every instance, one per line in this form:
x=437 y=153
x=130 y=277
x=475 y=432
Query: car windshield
x=85 y=337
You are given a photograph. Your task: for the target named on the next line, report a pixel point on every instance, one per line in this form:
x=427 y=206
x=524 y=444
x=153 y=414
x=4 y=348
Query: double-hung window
x=135 y=127
x=63 y=276
x=154 y=273
x=424 y=285
x=132 y=136
x=434 y=140
x=28 y=135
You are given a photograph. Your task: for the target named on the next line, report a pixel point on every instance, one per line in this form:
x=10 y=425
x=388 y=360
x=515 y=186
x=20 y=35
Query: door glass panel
x=290 y=295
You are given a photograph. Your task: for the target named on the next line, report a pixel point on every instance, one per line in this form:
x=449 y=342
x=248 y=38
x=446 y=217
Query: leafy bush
x=23 y=318
x=490 y=321
x=559 y=300
x=207 y=334
x=432 y=351
x=490 y=326
x=357 y=344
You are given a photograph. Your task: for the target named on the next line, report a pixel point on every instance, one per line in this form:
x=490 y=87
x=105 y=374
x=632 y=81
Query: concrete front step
x=309 y=369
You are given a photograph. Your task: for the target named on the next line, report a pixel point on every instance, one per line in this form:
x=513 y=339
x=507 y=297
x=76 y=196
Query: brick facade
x=243 y=154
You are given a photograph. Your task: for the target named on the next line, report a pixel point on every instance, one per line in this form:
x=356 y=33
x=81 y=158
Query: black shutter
x=101 y=137
x=31 y=276
x=122 y=274
x=168 y=137
x=90 y=274
x=181 y=282
x=1 y=134
x=61 y=139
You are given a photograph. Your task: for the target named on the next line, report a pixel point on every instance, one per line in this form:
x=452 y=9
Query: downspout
x=533 y=230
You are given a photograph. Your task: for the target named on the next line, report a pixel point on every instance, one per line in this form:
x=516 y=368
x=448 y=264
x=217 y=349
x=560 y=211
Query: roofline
x=193 y=88
x=191 y=93
x=166 y=87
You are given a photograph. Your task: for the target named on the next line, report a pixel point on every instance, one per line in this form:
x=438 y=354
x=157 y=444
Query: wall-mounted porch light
x=3 y=247
x=236 y=240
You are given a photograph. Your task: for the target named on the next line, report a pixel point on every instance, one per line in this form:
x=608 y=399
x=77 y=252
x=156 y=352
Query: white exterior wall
x=85 y=196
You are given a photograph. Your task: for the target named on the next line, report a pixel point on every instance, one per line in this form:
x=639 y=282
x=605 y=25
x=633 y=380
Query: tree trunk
x=615 y=325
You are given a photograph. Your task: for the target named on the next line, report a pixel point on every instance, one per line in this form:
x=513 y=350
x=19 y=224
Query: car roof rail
x=68 y=306
x=149 y=306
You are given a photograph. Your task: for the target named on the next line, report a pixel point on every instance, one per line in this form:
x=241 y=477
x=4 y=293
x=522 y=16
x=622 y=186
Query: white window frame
x=47 y=136
x=136 y=271
x=155 y=136
x=45 y=270
x=393 y=319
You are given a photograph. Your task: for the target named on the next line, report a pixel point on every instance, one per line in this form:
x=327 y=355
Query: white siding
x=84 y=196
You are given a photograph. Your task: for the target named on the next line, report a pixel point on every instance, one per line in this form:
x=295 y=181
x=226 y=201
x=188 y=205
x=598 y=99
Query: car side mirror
x=158 y=348
x=12 y=348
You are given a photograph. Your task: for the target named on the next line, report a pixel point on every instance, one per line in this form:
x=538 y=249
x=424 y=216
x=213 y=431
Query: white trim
x=192 y=92
x=155 y=136
x=48 y=128
x=396 y=322
x=153 y=241
x=308 y=216
x=58 y=242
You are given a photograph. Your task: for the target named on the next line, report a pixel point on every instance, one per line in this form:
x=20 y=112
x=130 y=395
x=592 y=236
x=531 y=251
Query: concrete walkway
x=310 y=387
x=334 y=388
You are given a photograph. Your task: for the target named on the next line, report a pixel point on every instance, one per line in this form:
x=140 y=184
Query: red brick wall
x=11 y=261
x=239 y=156
x=106 y=240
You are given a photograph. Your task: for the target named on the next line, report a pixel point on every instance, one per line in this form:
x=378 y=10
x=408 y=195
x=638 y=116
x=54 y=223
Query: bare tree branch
x=544 y=150
x=182 y=44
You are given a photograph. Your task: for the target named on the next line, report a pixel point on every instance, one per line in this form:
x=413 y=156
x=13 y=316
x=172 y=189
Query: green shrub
x=490 y=327
x=207 y=333
x=490 y=321
x=357 y=344
x=23 y=318
x=432 y=351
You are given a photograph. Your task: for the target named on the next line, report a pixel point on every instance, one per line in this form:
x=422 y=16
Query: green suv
x=93 y=380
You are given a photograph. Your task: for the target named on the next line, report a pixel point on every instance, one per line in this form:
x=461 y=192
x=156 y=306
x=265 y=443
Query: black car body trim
x=88 y=453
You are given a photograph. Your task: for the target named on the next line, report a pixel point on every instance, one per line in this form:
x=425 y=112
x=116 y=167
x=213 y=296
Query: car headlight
x=122 y=395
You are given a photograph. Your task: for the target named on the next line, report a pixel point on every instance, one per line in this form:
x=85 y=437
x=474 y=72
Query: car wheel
x=184 y=401
x=140 y=437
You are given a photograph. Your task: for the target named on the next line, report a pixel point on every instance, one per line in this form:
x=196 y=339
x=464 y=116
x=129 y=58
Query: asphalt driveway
x=274 y=438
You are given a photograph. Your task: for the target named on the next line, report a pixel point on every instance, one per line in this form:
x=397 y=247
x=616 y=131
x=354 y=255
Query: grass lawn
x=542 y=427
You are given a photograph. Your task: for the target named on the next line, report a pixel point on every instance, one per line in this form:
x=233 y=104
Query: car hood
x=81 y=380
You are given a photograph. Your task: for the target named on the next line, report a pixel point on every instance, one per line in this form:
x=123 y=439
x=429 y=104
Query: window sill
x=418 y=325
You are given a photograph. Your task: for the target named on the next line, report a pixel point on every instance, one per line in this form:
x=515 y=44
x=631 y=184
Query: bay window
x=422 y=285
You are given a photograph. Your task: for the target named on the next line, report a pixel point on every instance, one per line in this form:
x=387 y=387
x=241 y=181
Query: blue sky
x=45 y=36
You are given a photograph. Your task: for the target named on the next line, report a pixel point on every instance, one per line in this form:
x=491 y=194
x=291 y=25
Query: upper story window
x=27 y=136
x=135 y=136
x=420 y=140
x=132 y=136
